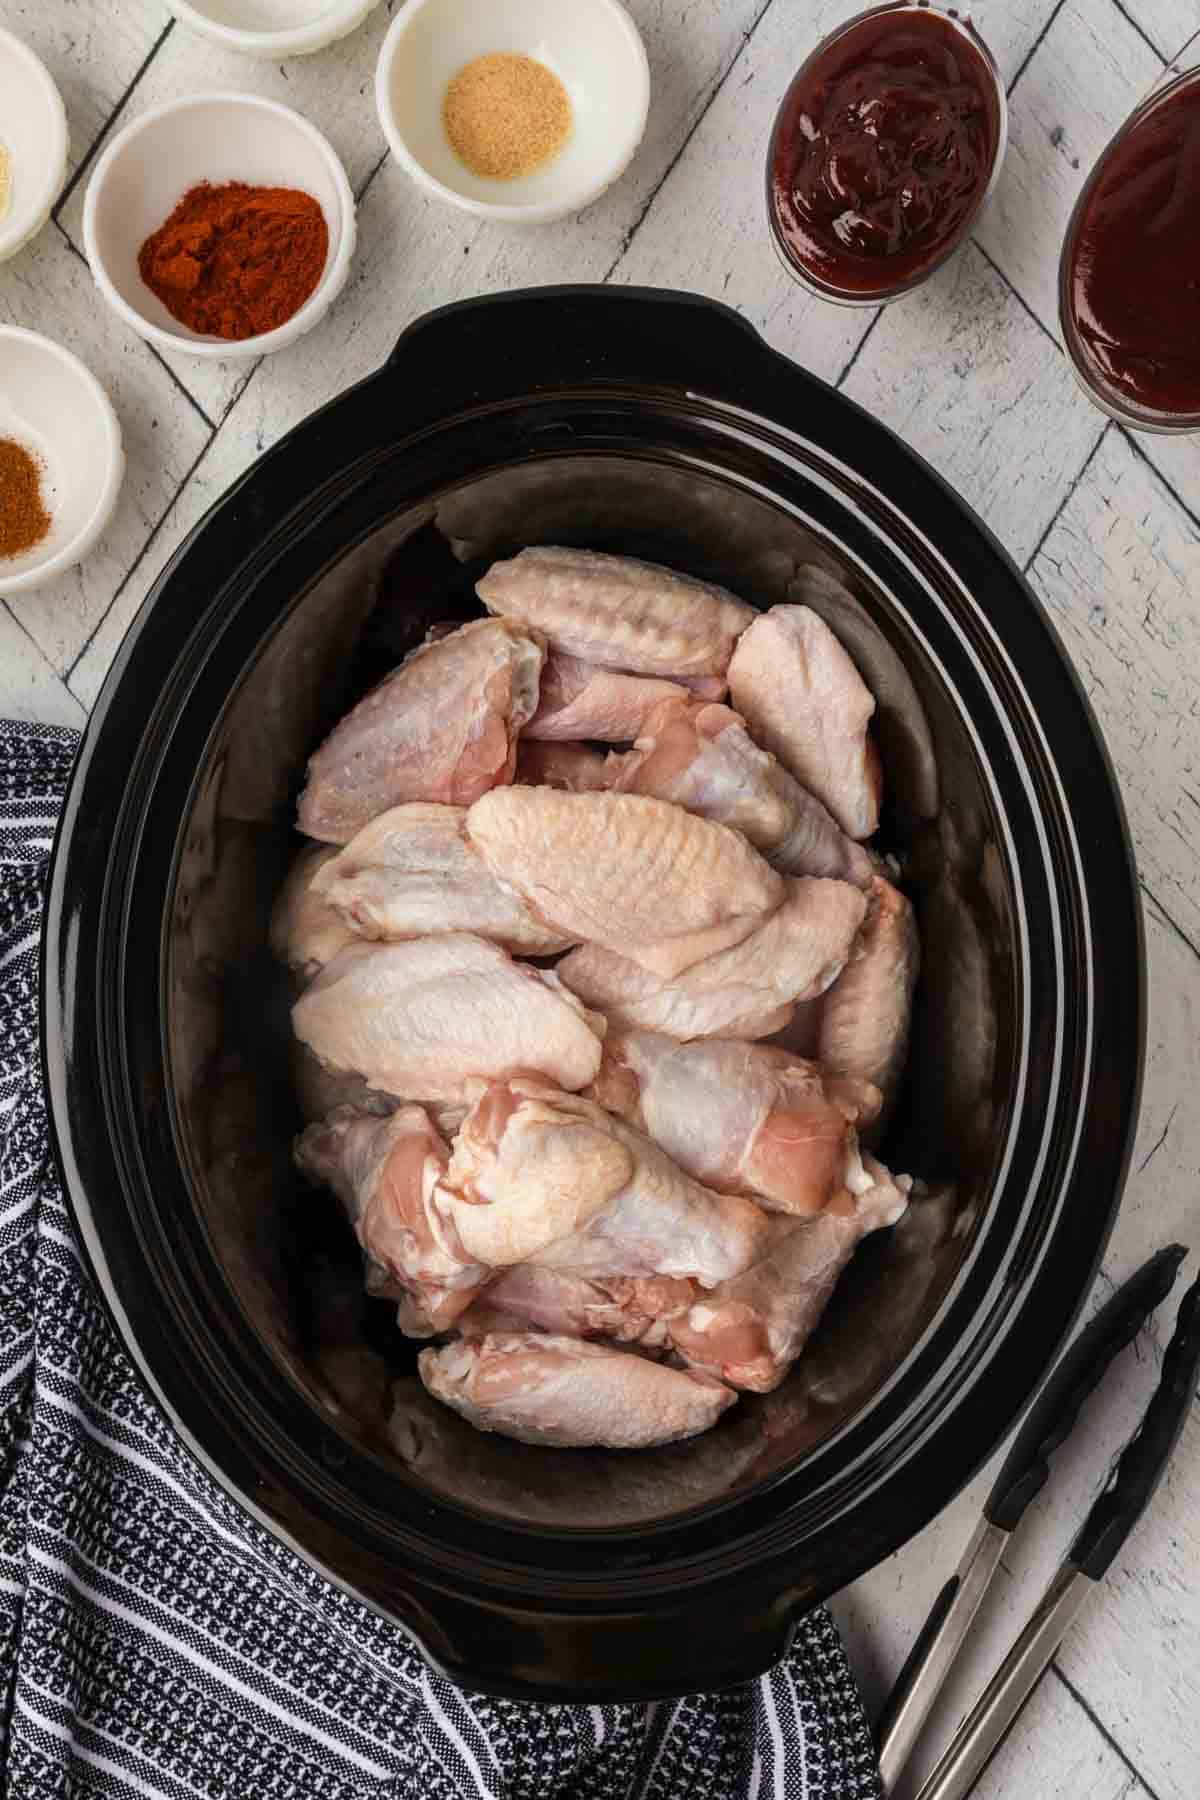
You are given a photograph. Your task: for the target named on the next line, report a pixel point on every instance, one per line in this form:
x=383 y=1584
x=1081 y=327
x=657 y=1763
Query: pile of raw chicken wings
x=594 y=1040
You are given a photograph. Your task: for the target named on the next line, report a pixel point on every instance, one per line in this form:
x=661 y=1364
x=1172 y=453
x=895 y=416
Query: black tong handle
x=1053 y=1415
x=1145 y=1457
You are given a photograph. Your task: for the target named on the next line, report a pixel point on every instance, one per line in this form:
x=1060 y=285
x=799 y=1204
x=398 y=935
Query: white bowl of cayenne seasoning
x=220 y=224
x=61 y=460
x=523 y=110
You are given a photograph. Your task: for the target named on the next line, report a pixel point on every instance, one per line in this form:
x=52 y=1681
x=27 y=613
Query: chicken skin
x=582 y=700
x=742 y=1118
x=629 y=1309
x=427 y=1018
x=411 y=873
x=618 y=612
x=702 y=757
x=748 y=991
x=386 y=1174
x=638 y=876
x=556 y=1390
x=865 y=1016
x=750 y=1331
x=305 y=932
x=804 y=700
x=545 y=1177
x=443 y=726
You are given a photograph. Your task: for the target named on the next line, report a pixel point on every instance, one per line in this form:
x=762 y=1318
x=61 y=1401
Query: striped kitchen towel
x=158 y=1644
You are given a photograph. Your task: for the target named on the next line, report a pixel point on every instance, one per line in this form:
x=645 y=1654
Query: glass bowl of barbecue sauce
x=1129 y=279
x=886 y=145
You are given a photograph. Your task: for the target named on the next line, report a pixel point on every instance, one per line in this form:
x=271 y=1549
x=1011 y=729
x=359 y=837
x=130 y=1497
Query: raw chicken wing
x=804 y=700
x=751 y=1329
x=618 y=612
x=386 y=1172
x=745 y=992
x=639 y=876
x=411 y=872
x=702 y=757
x=582 y=700
x=443 y=726
x=306 y=933
x=865 y=1015
x=547 y=1177
x=629 y=1309
x=556 y=1390
x=743 y=1118
x=427 y=1017
x=900 y=724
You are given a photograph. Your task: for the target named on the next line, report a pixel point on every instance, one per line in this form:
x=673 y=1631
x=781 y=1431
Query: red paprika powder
x=234 y=261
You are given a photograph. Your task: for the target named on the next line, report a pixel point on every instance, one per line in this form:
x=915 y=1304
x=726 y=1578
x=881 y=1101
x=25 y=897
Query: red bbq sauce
x=883 y=151
x=1131 y=264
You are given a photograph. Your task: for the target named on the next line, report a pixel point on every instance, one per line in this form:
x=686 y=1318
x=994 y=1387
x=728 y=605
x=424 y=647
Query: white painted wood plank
x=1169 y=24
x=227 y=456
x=48 y=288
x=1120 y=572
x=29 y=687
x=985 y=396
x=1089 y=73
x=92 y=50
x=1010 y=28
x=1136 y=1650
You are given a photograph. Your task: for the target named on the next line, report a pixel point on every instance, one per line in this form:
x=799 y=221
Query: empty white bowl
x=33 y=130
x=54 y=406
x=592 y=46
x=150 y=165
x=274 y=27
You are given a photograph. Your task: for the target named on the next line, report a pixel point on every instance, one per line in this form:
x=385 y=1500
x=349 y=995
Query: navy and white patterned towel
x=157 y=1644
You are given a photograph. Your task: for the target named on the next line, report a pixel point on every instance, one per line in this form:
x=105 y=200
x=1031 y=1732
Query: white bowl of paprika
x=221 y=225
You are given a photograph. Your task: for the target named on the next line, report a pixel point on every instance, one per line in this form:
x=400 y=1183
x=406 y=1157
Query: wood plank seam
x=722 y=78
x=1105 y=1733
x=1141 y=30
x=135 y=565
x=1035 y=47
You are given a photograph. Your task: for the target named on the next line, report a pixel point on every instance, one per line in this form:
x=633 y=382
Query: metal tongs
x=1025 y=1472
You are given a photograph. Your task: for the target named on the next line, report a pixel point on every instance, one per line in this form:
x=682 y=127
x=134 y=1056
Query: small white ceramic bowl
x=150 y=165
x=33 y=130
x=55 y=407
x=272 y=28
x=592 y=46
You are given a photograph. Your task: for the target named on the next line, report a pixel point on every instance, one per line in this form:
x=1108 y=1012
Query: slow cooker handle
x=697 y=1643
x=477 y=350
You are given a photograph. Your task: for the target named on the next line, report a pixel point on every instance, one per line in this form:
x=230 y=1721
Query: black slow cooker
x=658 y=425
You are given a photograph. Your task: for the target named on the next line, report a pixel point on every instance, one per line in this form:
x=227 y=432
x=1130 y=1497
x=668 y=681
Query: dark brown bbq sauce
x=883 y=151
x=1132 y=286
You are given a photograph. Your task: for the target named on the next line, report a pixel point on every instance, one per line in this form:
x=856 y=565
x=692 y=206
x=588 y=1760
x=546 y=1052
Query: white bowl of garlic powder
x=33 y=144
x=522 y=110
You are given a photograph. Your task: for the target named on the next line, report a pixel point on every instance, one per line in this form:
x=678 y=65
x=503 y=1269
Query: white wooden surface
x=971 y=372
